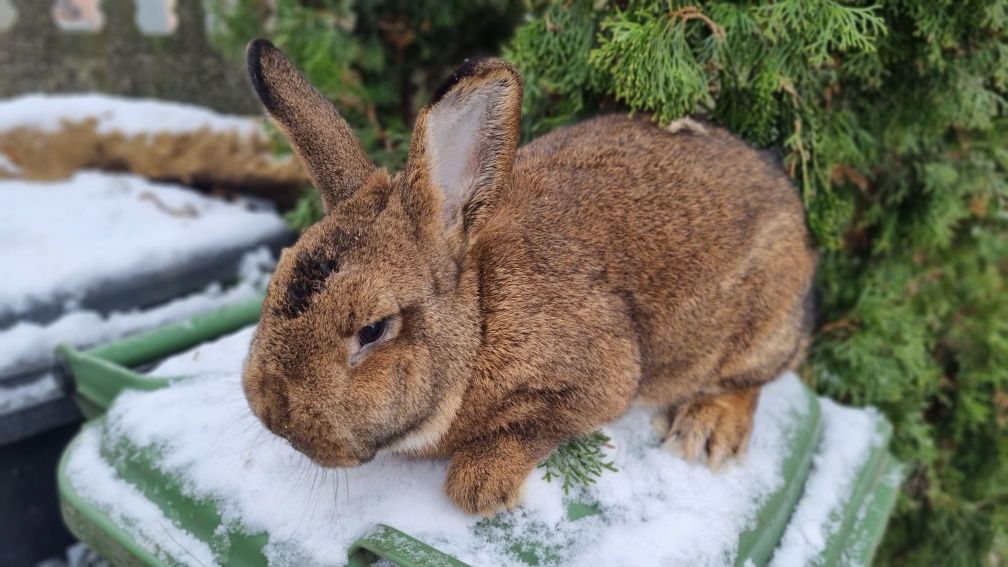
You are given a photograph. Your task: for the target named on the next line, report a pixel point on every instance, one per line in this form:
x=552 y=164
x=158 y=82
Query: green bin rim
x=70 y=499
x=384 y=542
x=97 y=375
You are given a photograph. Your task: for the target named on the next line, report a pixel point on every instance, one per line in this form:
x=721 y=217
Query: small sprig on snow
x=578 y=461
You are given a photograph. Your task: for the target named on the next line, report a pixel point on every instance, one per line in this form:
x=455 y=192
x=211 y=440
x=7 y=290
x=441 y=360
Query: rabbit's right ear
x=328 y=148
x=464 y=142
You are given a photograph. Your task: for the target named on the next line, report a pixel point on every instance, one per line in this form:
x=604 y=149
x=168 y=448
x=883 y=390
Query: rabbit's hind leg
x=715 y=426
x=716 y=422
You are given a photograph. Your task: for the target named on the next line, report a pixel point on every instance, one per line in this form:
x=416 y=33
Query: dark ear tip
x=256 y=48
x=469 y=68
x=256 y=51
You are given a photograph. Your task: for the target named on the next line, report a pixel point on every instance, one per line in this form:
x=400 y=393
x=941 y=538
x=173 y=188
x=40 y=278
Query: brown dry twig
x=842 y=172
x=187 y=211
x=687 y=13
x=838 y=325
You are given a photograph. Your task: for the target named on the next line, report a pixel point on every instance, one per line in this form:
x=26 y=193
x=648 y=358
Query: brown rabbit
x=488 y=303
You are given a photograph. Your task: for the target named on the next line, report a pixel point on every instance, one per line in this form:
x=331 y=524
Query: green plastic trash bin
x=100 y=374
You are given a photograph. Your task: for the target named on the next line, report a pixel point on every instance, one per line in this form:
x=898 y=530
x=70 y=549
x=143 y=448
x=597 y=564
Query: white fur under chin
x=432 y=430
x=417 y=441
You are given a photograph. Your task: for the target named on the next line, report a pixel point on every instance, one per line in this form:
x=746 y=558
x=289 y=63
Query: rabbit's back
x=699 y=238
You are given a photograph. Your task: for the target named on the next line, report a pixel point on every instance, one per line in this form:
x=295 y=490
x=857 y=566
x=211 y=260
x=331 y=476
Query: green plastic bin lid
x=178 y=472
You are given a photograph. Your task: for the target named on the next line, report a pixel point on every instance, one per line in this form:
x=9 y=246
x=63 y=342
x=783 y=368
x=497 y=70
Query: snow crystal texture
x=96 y=480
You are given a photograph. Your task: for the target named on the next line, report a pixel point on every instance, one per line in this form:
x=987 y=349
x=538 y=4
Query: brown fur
x=532 y=294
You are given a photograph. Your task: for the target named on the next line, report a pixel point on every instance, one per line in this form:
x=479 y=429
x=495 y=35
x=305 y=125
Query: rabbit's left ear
x=328 y=148
x=465 y=140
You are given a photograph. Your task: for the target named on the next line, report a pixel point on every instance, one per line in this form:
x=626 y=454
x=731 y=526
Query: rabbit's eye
x=372 y=332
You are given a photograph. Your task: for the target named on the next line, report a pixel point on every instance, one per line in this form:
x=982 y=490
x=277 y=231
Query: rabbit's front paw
x=716 y=425
x=482 y=483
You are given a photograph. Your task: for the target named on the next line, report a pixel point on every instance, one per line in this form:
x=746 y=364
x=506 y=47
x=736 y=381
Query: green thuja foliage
x=578 y=462
x=377 y=60
x=890 y=116
x=307 y=211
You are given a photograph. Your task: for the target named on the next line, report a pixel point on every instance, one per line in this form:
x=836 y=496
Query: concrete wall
x=37 y=56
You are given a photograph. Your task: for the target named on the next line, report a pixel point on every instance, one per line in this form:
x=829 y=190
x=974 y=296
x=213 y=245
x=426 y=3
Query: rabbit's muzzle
x=330 y=456
x=307 y=428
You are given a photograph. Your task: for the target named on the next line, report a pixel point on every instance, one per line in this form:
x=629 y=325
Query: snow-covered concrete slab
x=657 y=509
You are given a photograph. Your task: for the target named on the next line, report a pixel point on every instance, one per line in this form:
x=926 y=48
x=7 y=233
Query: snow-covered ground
x=128 y=116
x=657 y=509
x=59 y=239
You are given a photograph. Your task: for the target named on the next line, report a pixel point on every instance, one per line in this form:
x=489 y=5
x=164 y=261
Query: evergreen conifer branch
x=579 y=461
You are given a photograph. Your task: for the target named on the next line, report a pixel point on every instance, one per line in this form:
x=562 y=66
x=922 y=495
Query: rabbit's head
x=365 y=337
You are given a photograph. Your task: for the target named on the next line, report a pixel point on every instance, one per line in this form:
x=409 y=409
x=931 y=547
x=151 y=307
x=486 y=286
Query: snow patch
x=129 y=116
x=849 y=435
x=95 y=480
x=7 y=166
x=16 y=397
x=65 y=237
x=27 y=345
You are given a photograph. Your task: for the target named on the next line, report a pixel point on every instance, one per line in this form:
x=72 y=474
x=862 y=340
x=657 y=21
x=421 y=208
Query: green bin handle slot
x=102 y=372
x=98 y=381
x=388 y=543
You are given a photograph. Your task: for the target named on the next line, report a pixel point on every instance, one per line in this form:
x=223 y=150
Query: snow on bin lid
x=655 y=509
x=65 y=237
x=29 y=345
